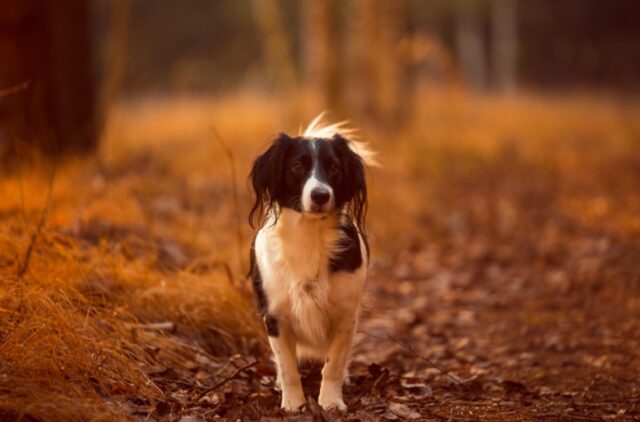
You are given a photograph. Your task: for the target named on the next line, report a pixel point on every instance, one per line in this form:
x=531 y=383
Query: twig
x=14 y=89
x=416 y=354
x=22 y=206
x=23 y=266
x=564 y=415
x=224 y=367
x=234 y=193
x=229 y=378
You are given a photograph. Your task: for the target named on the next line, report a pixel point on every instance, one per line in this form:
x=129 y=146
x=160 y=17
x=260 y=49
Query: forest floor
x=505 y=279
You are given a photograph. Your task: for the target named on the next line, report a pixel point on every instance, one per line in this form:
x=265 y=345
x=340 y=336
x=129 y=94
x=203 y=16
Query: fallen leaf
x=403 y=411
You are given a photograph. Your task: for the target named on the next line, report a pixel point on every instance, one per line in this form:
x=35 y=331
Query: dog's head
x=314 y=176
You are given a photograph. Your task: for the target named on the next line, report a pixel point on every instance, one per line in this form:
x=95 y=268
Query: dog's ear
x=354 y=185
x=266 y=178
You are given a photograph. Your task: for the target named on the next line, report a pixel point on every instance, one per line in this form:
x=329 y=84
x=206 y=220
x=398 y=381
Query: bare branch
x=14 y=89
x=229 y=378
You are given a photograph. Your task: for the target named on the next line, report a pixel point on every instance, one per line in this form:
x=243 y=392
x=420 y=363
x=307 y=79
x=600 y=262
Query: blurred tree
x=48 y=45
x=117 y=40
x=276 y=46
x=577 y=43
x=396 y=81
x=504 y=44
x=379 y=69
x=321 y=64
x=470 y=45
x=361 y=46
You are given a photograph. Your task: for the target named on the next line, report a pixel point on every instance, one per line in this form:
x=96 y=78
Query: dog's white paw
x=333 y=404
x=293 y=402
x=330 y=397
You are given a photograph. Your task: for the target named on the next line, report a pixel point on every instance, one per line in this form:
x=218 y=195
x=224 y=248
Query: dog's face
x=312 y=176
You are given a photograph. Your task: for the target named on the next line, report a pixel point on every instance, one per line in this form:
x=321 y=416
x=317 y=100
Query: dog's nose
x=320 y=196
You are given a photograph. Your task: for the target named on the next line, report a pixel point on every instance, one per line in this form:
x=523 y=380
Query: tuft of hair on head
x=319 y=129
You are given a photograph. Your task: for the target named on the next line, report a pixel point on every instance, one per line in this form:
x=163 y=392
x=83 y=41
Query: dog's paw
x=293 y=402
x=330 y=397
x=333 y=404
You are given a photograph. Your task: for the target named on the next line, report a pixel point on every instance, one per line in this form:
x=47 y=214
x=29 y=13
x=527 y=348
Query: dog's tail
x=318 y=129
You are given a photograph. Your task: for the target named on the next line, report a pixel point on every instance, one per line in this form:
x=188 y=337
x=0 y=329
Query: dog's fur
x=309 y=256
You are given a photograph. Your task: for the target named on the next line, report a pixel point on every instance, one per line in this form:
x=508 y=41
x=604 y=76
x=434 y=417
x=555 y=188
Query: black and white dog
x=309 y=255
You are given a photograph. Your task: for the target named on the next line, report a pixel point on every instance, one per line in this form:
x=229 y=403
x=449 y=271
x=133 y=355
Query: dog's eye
x=334 y=169
x=297 y=168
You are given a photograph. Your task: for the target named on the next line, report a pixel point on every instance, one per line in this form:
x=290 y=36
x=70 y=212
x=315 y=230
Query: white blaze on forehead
x=313 y=183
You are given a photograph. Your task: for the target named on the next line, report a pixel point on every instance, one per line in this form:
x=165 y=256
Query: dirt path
x=535 y=349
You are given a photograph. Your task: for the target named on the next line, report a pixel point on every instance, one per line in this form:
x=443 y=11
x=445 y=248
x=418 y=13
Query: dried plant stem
x=23 y=265
x=236 y=201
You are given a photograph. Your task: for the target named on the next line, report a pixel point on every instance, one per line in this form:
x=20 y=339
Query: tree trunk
x=396 y=79
x=361 y=47
x=470 y=45
x=505 y=44
x=381 y=77
x=276 y=46
x=320 y=53
x=49 y=46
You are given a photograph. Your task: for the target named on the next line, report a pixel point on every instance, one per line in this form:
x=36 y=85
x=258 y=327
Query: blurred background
x=360 y=59
x=504 y=221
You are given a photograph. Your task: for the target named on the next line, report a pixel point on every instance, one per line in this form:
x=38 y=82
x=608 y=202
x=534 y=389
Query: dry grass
x=144 y=232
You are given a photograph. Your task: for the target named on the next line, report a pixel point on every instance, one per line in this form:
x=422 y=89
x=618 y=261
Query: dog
x=309 y=255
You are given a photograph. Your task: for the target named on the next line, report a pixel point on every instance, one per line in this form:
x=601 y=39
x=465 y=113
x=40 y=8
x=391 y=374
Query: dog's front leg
x=335 y=365
x=283 y=345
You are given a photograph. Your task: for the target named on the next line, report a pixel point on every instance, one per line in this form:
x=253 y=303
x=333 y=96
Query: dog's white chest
x=309 y=310
x=295 y=277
